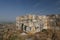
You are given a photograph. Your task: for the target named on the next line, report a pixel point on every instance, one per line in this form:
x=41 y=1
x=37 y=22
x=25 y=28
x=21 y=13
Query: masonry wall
x=53 y=22
x=36 y=23
x=31 y=23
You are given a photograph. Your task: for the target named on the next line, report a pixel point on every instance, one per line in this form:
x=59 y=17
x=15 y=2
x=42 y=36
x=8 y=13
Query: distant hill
x=4 y=22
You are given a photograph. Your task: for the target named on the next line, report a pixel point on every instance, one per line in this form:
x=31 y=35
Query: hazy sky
x=9 y=9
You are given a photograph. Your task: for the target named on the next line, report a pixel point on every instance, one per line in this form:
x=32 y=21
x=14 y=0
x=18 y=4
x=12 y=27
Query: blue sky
x=10 y=9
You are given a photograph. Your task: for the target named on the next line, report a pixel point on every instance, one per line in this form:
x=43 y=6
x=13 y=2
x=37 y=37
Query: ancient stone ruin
x=36 y=23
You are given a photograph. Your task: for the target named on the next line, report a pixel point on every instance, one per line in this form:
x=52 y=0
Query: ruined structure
x=53 y=22
x=35 y=23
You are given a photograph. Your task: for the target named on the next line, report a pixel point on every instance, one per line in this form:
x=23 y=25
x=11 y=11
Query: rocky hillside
x=10 y=33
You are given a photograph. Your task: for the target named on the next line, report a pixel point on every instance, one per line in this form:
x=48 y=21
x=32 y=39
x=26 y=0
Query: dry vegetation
x=9 y=32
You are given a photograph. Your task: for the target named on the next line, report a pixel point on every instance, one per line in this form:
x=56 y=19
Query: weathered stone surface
x=31 y=23
x=35 y=23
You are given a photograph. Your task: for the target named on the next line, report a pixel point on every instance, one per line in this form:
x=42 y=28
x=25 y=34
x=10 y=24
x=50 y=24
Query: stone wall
x=53 y=21
x=31 y=23
x=35 y=23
